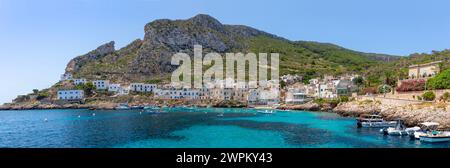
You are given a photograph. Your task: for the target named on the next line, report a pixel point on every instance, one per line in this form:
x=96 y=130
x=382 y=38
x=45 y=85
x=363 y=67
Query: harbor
x=186 y=127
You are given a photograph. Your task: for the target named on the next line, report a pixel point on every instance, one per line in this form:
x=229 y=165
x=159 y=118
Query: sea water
x=191 y=128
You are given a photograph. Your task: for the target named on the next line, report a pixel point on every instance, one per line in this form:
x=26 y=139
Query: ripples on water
x=186 y=128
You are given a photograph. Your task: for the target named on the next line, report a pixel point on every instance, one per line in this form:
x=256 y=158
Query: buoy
x=45 y=120
x=93 y=114
x=79 y=116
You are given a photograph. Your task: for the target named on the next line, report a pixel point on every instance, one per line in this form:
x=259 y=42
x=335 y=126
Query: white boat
x=266 y=112
x=423 y=129
x=435 y=136
x=431 y=134
x=412 y=130
x=398 y=130
x=123 y=107
x=151 y=108
x=374 y=121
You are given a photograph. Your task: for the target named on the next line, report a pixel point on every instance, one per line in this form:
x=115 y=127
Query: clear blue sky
x=38 y=38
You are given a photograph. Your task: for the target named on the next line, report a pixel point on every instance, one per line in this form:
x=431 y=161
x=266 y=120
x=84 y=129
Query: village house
x=296 y=96
x=70 y=94
x=80 y=81
x=101 y=84
x=204 y=93
x=114 y=87
x=424 y=70
x=141 y=87
x=66 y=77
x=345 y=88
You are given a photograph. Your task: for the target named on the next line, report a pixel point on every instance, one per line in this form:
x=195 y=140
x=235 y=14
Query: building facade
x=101 y=84
x=424 y=70
x=70 y=94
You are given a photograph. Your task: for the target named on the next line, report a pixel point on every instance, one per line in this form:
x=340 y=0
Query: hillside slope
x=149 y=58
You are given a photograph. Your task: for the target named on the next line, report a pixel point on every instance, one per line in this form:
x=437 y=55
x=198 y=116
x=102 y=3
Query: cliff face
x=150 y=58
x=78 y=62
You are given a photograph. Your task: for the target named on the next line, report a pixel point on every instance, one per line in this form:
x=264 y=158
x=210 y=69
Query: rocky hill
x=149 y=58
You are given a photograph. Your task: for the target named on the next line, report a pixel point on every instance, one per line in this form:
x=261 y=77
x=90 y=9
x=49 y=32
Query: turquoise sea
x=190 y=128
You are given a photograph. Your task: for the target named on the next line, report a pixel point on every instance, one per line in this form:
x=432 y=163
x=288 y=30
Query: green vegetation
x=312 y=59
x=153 y=81
x=42 y=95
x=429 y=96
x=88 y=88
x=445 y=96
x=440 y=81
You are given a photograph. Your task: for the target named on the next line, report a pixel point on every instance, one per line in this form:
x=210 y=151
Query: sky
x=39 y=38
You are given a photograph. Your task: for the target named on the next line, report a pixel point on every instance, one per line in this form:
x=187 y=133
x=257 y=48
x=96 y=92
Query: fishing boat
x=374 y=121
x=398 y=130
x=123 y=106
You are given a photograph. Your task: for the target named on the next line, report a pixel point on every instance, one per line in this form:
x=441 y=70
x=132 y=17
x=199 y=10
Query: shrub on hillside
x=445 y=96
x=440 y=81
x=429 y=96
x=412 y=85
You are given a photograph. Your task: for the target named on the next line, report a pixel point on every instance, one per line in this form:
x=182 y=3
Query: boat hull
x=376 y=124
x=434 y=139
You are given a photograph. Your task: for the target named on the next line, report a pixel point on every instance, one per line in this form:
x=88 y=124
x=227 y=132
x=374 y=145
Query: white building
x=80 y=81
x=263 y=96
x=253 y=96
x=66 y=77
x=101 y=84
x=70 y=94
x=296 y=96
x=141 y=87
x=114 y=87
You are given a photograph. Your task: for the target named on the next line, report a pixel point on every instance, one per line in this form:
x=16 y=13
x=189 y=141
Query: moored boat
x=424 y=128
x=374 y=121
x=266 y=111
x=436 y=136
x=430 y=133
x=123 y=106
x=398 y=130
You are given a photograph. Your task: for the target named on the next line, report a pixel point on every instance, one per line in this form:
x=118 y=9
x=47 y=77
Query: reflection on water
x=185 y=128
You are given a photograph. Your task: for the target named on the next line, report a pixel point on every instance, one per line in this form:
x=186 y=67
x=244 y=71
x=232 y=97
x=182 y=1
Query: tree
x=384 y=89
x=445 y=96
x=358 y=81
x=35 y=91
x=440 y=81
x=88 y=88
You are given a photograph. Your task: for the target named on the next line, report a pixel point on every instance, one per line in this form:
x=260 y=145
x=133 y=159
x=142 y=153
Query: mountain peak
x=206 y=21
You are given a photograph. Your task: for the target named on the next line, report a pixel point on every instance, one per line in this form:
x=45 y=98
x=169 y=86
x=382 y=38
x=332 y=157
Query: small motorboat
x=137 y=107
x=411 y=131
x=266 y=112
x=398 y=130
x=151 y=108
x=435 y=136
x=431 y=134
x=123 y=107
x=374 y=121
x=220 y=115
x=423 y=129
